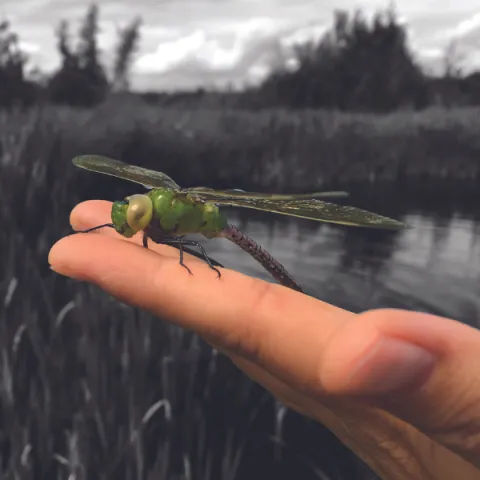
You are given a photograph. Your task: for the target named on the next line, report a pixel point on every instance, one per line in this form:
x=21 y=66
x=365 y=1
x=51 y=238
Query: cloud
x=29 y=47
x=228 y=57
x=466 y=27
x=463 y=34
x=242 y=50
x=186 y=43
x=220 y=49
x=233 y=54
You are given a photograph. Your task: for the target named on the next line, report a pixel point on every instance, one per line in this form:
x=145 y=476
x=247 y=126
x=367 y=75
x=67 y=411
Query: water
x=433 y=266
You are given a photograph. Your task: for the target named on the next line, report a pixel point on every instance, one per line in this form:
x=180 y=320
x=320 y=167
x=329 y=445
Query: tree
x=66 y=84
x=96 y=85
x=377 y=69
x=357 y=65
x=452 y=60
x=13 y=84
x=127 y=45
x=81 y=79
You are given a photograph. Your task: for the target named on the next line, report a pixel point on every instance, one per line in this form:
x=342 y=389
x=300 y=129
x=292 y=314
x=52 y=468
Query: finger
x=280 y=329
x=90 y=213
x=97 y=212
x=373 y=434
x=421 y=368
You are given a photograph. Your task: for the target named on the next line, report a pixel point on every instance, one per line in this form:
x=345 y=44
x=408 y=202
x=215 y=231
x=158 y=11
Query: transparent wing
x=318 y=210
x=116 y=168
x=210 y=195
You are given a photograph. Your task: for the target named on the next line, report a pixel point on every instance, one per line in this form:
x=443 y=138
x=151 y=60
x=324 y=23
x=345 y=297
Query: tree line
x=358 y=65
x=81 y=79
x=367 y=66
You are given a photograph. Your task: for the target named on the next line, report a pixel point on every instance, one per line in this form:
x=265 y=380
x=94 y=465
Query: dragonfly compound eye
x=139 y=212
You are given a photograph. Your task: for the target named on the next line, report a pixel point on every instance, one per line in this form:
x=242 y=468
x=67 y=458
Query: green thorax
x=180 y=214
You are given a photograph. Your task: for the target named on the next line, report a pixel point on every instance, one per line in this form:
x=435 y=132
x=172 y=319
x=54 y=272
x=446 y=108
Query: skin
x=401 y=389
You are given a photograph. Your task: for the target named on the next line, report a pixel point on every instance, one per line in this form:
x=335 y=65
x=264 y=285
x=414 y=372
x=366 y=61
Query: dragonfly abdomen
x=275 y=268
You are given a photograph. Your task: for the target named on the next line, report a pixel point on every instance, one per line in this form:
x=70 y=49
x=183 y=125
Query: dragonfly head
x=131 y=215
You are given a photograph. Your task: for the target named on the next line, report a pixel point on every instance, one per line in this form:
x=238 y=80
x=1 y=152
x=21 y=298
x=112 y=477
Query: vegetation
x=81 y=79
x=358 y=65
x=355 y=67
x=273 y=149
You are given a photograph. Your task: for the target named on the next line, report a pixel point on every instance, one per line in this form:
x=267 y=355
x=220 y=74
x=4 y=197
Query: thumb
x=421 y=368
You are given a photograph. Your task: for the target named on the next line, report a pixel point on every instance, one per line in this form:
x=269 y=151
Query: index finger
x=277 y=327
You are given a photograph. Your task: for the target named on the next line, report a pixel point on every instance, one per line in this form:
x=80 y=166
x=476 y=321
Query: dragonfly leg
x=192 y=243
x=180 y=248
x=180 y=243
x=173 y=241
x=110 y=225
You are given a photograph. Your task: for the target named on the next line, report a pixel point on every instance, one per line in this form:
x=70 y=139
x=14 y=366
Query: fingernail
x=392 y=366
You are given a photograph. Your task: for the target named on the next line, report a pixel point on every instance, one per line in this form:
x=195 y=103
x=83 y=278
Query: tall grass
x=275 y=149
x=90 y=388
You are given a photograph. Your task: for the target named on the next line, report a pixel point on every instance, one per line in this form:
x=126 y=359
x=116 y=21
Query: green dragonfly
x=168 y=212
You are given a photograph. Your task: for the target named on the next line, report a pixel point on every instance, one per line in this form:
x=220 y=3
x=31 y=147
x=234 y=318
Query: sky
x=190 y=43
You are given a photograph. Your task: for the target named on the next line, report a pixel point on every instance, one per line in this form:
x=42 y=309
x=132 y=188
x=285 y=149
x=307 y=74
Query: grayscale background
x=277 y=96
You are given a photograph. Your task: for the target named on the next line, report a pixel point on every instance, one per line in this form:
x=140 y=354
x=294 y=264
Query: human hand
x=401 y=389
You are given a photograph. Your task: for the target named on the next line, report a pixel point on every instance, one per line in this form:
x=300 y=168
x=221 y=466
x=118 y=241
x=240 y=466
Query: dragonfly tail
x=275 y=268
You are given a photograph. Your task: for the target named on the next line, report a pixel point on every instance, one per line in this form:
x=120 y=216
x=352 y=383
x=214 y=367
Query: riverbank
x=274 y=149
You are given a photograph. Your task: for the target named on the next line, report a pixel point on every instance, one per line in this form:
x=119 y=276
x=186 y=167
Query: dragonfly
x=168 y=212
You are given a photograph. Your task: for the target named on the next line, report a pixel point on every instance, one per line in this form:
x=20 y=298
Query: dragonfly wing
x=320 y=211
x=116 y=168
x=211 y=195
